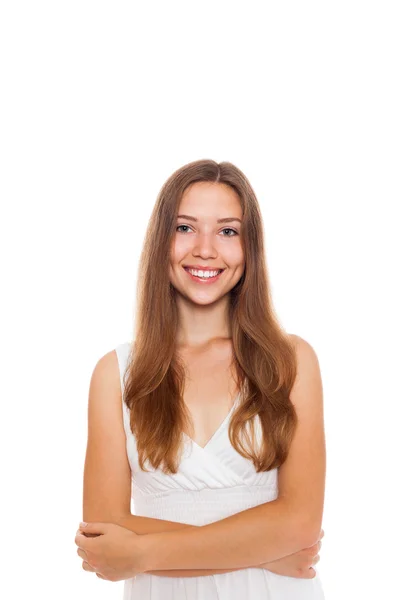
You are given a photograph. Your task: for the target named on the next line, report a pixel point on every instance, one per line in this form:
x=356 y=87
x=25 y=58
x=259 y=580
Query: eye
x=227 y=229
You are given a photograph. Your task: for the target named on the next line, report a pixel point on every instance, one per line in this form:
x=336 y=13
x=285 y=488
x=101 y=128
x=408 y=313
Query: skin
x=202 y=308
x=110 y=549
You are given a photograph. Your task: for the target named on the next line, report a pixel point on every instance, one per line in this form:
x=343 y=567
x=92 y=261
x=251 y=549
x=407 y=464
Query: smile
x=208 y=277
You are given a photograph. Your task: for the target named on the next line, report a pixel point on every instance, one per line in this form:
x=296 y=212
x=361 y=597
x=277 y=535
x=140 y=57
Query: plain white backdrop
x=100 y=103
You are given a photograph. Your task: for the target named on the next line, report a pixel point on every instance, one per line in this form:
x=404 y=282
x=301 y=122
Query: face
x=200 y=241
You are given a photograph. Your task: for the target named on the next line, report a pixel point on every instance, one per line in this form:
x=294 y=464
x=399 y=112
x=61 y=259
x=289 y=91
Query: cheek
x=179 y=249
x=235 y=257
x=174 y=252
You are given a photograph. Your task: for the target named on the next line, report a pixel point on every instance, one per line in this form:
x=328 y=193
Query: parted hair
x=263 y=353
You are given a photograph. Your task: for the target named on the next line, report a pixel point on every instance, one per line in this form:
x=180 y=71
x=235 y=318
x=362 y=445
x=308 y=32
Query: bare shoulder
x=106 y=368
x=301 y=344
x=307 y=389
x=307 y=359
x=105 y=391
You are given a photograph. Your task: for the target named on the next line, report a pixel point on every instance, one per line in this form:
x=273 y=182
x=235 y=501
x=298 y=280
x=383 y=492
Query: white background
x=100 y=103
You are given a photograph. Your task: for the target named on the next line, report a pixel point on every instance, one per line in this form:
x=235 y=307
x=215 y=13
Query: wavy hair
x=263 y=354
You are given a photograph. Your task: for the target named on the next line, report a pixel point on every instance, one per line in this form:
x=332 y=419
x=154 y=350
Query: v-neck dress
x=212 y=483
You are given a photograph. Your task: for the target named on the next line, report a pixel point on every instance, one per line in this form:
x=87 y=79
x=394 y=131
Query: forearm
x=148 y=525
x=250 y=538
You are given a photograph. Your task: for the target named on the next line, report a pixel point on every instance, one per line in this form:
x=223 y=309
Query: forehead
x=205 y=197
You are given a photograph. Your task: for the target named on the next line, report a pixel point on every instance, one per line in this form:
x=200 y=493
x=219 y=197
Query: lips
x=204 y=280
x=202 y=269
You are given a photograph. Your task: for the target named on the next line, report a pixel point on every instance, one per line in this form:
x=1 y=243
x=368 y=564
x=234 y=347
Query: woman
x=213 y=412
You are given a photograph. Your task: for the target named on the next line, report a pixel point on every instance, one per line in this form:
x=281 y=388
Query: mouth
x=205 y=280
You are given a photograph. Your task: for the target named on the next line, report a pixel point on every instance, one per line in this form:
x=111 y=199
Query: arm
x=147 y=525
x=252 y=537
x=274 y=529
x=107 y=474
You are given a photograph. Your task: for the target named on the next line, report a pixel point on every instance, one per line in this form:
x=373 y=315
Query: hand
x=298 y=564
x=109 y=550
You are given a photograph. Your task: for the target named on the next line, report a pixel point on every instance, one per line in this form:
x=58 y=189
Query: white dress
x=212 y=483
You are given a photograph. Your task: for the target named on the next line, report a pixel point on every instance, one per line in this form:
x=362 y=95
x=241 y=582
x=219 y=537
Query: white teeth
x=203 y=274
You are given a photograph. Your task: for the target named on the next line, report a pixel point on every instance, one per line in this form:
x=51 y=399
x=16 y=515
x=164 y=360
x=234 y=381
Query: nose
x=205 y=246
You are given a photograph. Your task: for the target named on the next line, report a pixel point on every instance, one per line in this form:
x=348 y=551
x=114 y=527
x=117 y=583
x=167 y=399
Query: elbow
x=306 y=526
x=310 y=533
x=303 y=530
x=309 y=523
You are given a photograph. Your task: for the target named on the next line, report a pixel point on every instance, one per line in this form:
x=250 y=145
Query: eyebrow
x=225 y=220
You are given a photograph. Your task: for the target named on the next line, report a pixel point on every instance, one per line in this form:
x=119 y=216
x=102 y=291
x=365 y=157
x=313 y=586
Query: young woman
x=211 y=419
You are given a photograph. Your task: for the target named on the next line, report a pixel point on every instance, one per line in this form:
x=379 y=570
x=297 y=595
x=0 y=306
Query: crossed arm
x=146 y=525
x=250 y=538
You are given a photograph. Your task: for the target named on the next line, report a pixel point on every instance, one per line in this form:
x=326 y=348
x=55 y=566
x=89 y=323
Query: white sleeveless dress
x=212 y=483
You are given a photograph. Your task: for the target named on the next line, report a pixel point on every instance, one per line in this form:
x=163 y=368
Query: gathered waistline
x=215 y=494
x=200 y=507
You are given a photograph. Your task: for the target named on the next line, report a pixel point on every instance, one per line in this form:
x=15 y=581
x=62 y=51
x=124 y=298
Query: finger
x=87 y=559
x=83 y=555
x=98 y=528
x=87 y=567
x=311 y=573
x=80 y=539
x=314 y=549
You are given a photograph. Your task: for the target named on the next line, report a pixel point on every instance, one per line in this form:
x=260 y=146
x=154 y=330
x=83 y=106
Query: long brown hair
x=264 y=358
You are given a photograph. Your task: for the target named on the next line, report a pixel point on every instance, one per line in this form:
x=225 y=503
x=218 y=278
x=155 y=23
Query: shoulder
x=110 y=366
x=106 y=371
x=304 y=350
x=308 y=367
